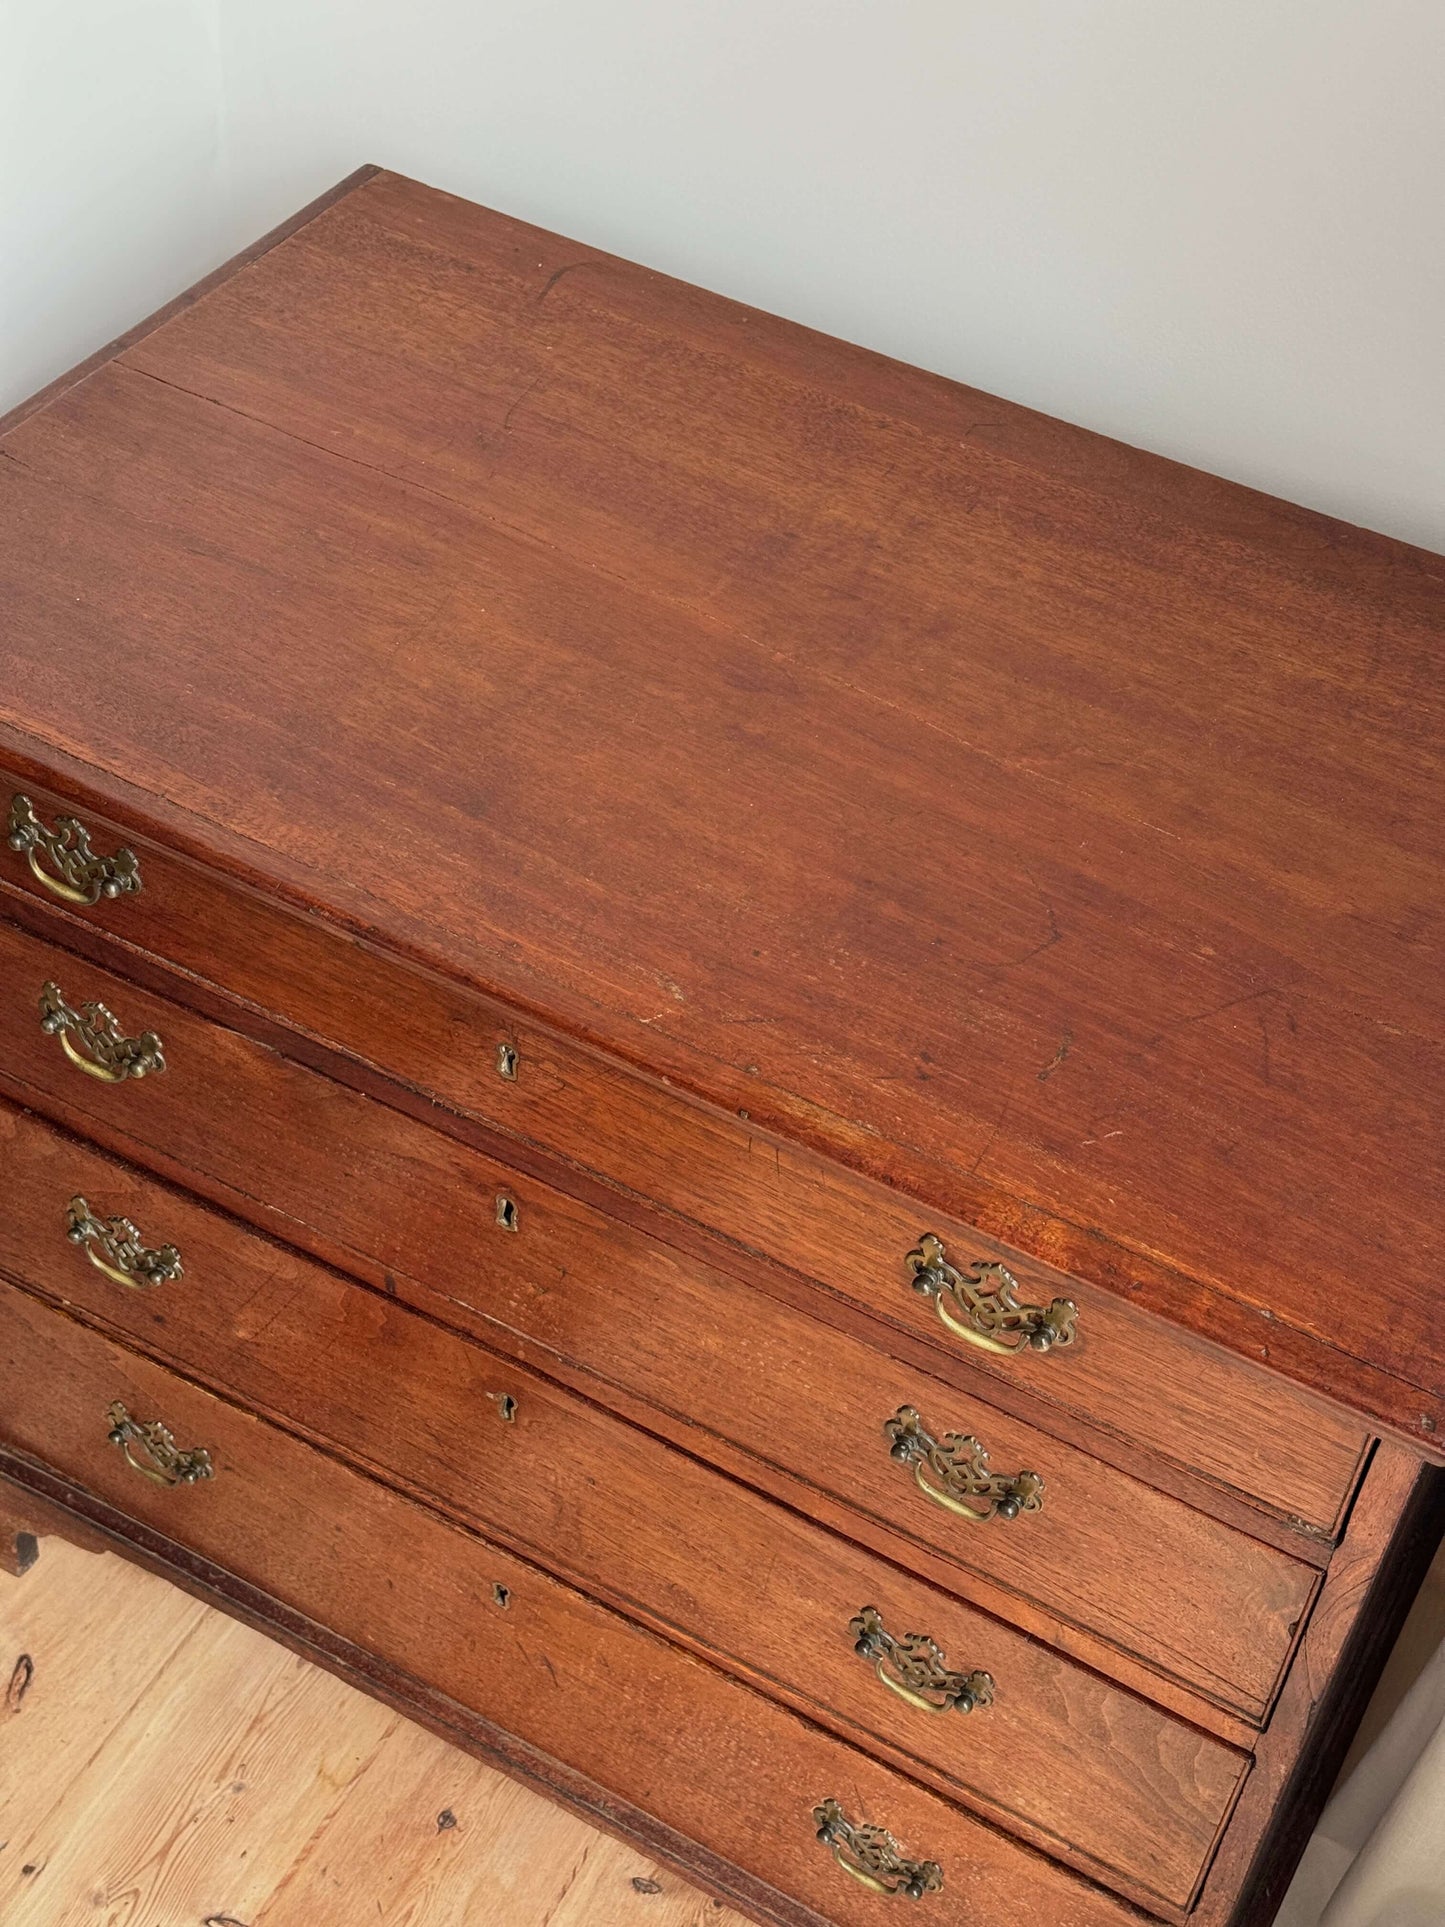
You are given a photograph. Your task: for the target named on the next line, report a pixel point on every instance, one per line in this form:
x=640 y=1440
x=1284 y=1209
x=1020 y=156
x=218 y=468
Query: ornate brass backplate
x=912 y=1666
x=959 y=1465
x=113 y=1245
x=982 y=1306
x=104 y=1049
x=873 y=1856
x=76 y=873
x=163 y=1459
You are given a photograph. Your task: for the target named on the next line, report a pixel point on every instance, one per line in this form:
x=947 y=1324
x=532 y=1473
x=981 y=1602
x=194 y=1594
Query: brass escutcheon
x=913 y=1667
x=164 y=1461
x=873 y=1856
x=960 y=1465
x=981 y=1304
x=79 y=875
x=113 y=1245
x=107 y=1052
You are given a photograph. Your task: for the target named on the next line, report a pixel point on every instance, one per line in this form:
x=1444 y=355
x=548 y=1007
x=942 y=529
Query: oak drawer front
x=1204 y=1603
x=1288 y=1451
x=1077 y=1764
x=722 y=1764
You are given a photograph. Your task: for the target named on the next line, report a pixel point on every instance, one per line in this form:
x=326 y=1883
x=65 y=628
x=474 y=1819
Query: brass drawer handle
x=873 y=1856
x=960 y=1465
x=914 y=1668
x=164 y=1461
x=80 y=875
x=125 y=1258
x=987 y=1297
x=112 y=1056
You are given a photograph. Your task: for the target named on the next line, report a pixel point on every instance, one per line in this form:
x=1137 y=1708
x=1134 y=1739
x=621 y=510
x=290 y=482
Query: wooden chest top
x=1044 y=829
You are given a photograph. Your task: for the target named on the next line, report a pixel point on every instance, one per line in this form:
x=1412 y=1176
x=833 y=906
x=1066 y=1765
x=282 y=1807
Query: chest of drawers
x=723 y=1064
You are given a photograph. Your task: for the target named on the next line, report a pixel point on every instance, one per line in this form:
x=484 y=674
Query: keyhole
x=506 y=1212
x=506 y=1406
x=507 y=1062
x=501 y=1597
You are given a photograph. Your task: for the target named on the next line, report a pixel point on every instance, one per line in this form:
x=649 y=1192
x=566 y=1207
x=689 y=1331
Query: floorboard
x=162 y=1765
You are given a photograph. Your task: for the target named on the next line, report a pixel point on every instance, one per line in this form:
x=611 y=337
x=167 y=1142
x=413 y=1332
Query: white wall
x=110 y=180
x=1212 y=228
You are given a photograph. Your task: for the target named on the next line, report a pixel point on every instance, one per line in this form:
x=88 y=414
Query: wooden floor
x=163 y=1766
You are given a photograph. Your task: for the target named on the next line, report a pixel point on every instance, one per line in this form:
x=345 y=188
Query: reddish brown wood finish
x=579 y=1289
x=1021 y=821
x=1296 y=1455
x=170 y=309
x=1063 y=1757
x=725 y=1766
x=25 y=1519
x=862 y=807
x=1206 y=1605
x=81 y=1511
x=1392 y=1536
x=1394 y=1531
x=1144 y=1380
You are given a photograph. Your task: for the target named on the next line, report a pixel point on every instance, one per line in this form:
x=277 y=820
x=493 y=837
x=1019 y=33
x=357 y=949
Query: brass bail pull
x=873 y=1857
x=151 y=1450
x=76 y=874
x=113 y=1246
x=981 y=1305
x=953 y=1471
x=913 y=1667
x=95 y=1043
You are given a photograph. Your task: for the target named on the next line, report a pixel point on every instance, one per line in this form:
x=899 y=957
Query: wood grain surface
x=1015 y=818
x=305 y=1152
x=1395 y=1527
x=429 y=1602
x=555 y=1316
x=1395 y=1531
x=841 y=805
x=168 y=1764
x=1211 y=1607
x=1097 y=1775
x=291 y=980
